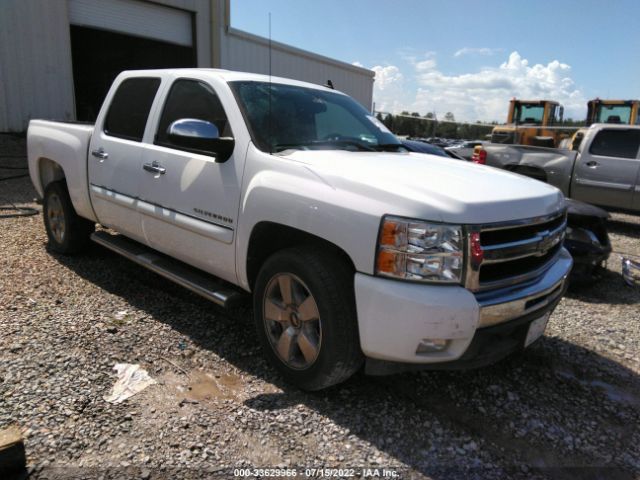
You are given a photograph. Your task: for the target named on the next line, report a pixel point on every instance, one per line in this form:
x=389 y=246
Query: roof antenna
x=329 y=84
x=270 y=134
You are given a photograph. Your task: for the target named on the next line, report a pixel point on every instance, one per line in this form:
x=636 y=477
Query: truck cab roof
x=226 y=75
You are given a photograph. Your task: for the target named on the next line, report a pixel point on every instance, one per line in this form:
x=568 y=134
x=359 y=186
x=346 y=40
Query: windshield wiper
x=320 y=143
x=388 y=147
x=347 y=143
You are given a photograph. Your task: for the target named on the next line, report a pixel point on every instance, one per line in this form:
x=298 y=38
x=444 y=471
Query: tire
x=68 y=233
x=289 y=341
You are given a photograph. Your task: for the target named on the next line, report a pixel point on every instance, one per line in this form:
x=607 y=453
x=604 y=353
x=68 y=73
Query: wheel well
x=50 y=171
x=267 y=238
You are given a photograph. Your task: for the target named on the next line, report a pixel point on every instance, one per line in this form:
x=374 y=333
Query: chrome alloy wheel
x=292 y=321
x=55 y=213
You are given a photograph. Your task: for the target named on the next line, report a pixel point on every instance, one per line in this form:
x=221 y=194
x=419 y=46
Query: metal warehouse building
x=59 y=57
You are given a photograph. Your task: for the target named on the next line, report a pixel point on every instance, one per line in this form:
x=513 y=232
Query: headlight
x=422 y=251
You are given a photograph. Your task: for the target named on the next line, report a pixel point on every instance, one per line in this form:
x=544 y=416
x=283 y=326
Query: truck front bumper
x=409 y=325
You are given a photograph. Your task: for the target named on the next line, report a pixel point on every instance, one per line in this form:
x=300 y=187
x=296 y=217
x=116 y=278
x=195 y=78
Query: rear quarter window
x=129 y=109
x=616 y=143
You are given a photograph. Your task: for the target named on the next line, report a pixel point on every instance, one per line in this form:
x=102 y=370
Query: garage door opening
x=99 y=56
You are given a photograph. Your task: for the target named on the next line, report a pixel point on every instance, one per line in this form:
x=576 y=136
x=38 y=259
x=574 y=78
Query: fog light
x=431 y=345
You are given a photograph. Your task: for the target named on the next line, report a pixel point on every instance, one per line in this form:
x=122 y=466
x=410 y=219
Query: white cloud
x=357 y=64
x=425 y=65
x=477 y=51
x=480 y=95
x=388 y=88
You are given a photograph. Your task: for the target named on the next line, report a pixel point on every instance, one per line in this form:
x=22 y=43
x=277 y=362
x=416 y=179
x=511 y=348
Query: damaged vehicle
x=587 y=240
x=354 y=251
x=604 y=171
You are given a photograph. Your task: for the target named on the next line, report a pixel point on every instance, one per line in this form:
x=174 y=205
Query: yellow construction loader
x=626 y=112
x=529 y=122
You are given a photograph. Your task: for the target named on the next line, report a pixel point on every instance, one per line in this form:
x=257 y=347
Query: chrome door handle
x=592 y=164
x=100 y=153
x=154 y=167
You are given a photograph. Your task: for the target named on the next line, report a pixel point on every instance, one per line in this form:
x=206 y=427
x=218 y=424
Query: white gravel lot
x=569 y=407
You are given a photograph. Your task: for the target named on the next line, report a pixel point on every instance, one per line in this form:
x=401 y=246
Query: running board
x=189 y=277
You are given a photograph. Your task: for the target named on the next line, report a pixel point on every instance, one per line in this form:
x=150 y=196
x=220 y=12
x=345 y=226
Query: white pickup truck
x=353 y=249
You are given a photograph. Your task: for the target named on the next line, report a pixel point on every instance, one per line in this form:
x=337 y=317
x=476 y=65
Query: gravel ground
x=569 y=407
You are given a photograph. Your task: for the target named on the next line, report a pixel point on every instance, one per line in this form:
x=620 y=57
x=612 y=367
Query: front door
x=189 y=202
x=606 y=173
x=115 y=155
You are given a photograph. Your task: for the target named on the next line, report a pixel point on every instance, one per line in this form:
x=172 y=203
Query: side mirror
x=200 y=136
x=561 y=114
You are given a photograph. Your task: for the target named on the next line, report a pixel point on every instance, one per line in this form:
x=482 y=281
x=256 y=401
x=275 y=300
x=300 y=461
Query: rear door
x=189 y=202
x=115 y=155
x=607 y=168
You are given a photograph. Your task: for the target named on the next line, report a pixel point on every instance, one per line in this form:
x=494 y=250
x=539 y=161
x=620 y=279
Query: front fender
x=303 y=201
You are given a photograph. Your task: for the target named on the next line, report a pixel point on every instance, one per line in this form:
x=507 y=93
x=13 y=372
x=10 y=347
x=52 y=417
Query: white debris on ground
x=131 y=380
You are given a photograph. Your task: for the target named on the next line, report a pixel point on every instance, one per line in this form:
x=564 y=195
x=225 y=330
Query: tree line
x=412 y=124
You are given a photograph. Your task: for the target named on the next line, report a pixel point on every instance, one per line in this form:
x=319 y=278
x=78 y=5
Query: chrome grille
x=513 y=252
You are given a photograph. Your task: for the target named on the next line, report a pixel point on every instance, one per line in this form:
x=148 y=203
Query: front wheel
x=304 y=309
x=68 y=233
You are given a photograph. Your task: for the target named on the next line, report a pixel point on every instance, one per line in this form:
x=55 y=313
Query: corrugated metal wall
x=35 y=63
x=36 y=75
x=249 y=53
x=134 y=18
x=203 y=11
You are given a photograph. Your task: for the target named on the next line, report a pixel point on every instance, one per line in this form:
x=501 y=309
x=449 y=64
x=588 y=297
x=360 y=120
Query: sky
x=463 y=56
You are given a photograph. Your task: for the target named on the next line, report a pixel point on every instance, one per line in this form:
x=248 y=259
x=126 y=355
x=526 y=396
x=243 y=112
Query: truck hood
x=431 y=187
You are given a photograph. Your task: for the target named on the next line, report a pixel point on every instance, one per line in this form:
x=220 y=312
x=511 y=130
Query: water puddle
x=616 y=394
x=207 y=386
x=613 y=392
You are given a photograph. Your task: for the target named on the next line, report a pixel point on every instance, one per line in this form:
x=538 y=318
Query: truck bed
x=550 y=165
x=67 y=144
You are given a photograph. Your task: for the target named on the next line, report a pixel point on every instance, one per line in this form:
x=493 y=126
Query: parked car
x=353 y=249
x=604 y=171
x=423 y=147
x=466 y=148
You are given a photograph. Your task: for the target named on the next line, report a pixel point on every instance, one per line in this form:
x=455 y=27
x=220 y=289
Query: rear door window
x=129 y=109
x=616 y=143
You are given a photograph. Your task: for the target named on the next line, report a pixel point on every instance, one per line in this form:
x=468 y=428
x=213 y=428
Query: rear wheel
x=68 y=233
x=305 y=317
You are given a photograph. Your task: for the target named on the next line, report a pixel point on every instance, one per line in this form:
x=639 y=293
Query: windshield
x=614 y=114
x=306 y=118
x=532 y=114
